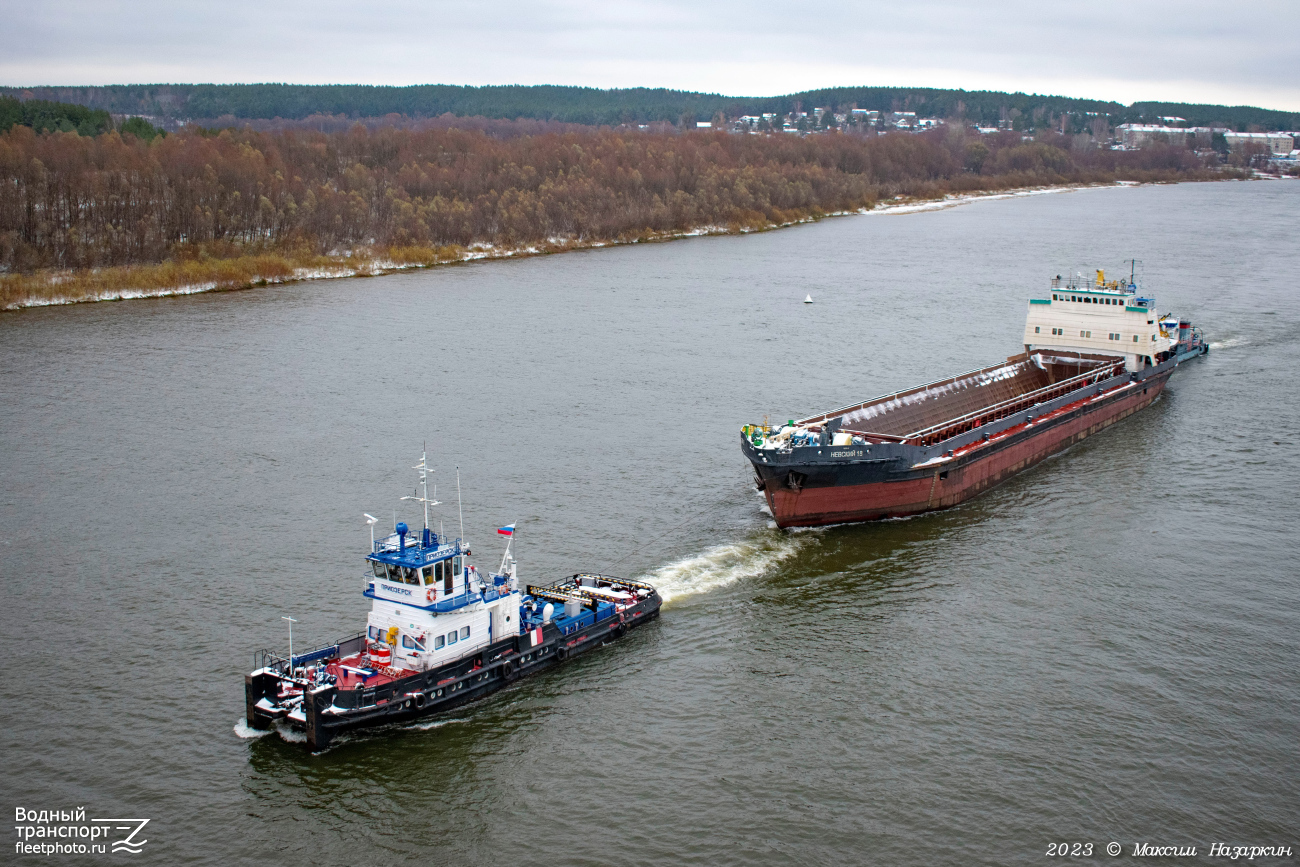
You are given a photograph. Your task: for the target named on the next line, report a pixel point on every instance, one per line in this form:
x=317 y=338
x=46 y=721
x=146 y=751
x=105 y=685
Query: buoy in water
x=808 y=299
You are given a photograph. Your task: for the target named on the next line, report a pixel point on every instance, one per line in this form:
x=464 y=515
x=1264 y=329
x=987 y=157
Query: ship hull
x=816 y=493
x=328 y=711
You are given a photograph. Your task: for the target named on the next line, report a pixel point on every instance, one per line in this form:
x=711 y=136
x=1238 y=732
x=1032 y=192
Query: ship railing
x=282 y=665
x=393 y=542
x=822 y=418
x=961 y=424
x=564 y=591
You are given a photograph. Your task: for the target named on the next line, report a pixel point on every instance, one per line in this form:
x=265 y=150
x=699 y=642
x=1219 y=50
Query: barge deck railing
x=971 y=420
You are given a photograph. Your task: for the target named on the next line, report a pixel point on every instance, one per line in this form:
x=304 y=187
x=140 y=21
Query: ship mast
x=423 y=467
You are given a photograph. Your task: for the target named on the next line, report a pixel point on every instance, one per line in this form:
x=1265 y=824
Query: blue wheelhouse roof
x=418 y=551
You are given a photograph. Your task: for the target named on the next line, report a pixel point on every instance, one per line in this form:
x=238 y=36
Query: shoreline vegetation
x=116 y=216
x=47 y=287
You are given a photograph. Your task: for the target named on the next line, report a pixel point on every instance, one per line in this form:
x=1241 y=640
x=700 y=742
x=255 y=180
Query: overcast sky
x=1125 y=50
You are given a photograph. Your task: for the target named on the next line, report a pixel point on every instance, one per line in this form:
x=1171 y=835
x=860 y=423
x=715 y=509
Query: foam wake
x=1227 y=344
x=724 y=564
x=243 y=730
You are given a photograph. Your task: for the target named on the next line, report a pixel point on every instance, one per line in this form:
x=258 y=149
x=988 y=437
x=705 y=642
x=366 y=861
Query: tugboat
x=1095 y=352
x=439 y=635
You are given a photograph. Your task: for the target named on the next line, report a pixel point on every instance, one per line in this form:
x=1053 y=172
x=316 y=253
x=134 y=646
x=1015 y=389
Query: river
x=1105 y=648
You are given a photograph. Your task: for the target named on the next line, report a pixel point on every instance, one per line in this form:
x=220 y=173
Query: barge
x=1095 y=352
x=439 y=635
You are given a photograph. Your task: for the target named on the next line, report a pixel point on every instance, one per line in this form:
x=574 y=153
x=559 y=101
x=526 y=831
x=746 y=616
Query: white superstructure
x=1097 y=317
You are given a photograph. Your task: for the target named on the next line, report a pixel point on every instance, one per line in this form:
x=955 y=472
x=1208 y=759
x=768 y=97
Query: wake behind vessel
x=439 y=635
x=1095 y=352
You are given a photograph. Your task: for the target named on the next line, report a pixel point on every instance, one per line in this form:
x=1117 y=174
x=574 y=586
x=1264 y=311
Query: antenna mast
x=460 y=507
x=423 y=467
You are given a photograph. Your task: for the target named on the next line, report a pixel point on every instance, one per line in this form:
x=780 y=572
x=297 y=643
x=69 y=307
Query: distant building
x=1278 y=143
x=1135 y=136
x=704 y=124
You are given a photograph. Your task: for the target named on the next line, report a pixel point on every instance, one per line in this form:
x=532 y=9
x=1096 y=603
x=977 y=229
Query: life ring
x=428 y=595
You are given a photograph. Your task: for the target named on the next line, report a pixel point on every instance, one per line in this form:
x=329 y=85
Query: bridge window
x=378 y=569
x=427 y=574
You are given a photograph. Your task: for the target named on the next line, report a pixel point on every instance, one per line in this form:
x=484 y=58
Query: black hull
x=329 y=711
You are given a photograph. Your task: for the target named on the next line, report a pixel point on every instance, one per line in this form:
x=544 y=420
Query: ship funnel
x=402 y=530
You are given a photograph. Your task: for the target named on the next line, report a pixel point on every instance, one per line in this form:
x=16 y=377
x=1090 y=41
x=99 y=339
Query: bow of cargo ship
x=1095 y=352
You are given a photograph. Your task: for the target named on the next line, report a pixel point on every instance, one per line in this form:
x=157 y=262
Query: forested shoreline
x=208 y=103
x=107 y=215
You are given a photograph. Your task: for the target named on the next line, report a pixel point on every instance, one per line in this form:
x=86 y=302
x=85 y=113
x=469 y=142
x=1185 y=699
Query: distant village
x=1277 y=147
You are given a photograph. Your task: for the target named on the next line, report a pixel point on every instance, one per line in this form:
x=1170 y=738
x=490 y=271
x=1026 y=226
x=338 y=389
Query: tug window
x=373 y=631
x=458 y=561
x=378 y=568
x=410 y=575
x=427 y=572
x=1037 y=330
x=464 y=632
x=451 y=638
x=445 y=568
x=411 y=644
x=439 y=643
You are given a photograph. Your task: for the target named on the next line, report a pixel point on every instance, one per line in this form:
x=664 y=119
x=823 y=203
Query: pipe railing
x=945 y=429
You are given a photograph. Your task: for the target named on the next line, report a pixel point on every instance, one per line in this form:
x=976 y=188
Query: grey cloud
x=1106 y=49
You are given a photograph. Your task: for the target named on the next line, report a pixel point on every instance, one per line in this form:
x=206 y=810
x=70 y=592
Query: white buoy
x=807 y=300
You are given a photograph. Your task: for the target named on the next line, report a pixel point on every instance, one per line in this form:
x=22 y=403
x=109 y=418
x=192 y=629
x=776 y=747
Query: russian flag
x=507 y=530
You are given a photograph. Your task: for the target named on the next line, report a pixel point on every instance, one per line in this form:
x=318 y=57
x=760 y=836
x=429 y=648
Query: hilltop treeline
x=593 y=106
x=80 y=202
x=44 y=116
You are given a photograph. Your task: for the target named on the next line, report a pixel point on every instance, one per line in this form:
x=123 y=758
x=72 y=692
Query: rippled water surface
x=1104 y=648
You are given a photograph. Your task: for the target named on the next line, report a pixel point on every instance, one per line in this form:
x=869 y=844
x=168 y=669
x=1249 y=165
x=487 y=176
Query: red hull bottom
x=813 y=507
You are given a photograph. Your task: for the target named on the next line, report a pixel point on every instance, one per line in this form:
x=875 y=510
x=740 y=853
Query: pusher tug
x=438 y=636
x=1095 y=352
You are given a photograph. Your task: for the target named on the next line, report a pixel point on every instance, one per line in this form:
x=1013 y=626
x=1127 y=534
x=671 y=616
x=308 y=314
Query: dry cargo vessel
x=1095 y=352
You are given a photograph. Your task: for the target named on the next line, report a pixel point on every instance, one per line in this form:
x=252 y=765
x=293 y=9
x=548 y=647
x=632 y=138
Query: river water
x=1105 y=648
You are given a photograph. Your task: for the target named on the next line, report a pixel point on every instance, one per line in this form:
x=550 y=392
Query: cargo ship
x=439 y=635
x=1095 y=352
